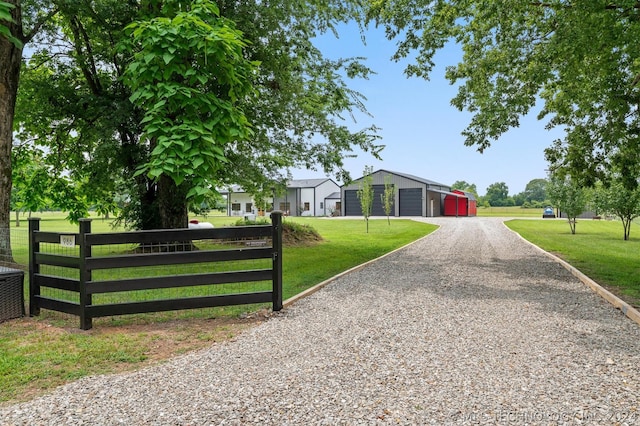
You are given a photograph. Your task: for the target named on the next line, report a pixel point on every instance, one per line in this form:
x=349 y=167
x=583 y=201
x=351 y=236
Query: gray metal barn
x=414 y=196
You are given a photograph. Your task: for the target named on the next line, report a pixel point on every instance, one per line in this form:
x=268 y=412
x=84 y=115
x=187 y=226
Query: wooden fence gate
x=165 y=247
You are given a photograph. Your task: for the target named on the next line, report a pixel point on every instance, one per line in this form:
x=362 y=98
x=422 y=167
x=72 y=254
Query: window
x=285 y=207
x=306 y=207
x=248 y=207
x=235 y=207
x=321 y=206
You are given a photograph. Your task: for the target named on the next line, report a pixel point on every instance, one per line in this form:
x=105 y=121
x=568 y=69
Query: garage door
x=410 y=202
x=352 y=202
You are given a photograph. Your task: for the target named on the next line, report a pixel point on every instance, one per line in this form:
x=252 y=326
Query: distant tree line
x=566 y=194
x=497 y=194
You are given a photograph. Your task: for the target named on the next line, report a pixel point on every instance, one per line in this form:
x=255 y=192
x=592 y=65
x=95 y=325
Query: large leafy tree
x=188 y=74
x=20 y=22
x=536 y=190
x=79 y=107
x=581 y=59
x=498 y=195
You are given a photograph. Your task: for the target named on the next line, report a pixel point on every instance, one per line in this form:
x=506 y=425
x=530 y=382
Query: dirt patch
x=296 y=235
x=169 y=339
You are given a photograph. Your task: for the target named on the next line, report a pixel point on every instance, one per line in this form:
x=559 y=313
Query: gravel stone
x=470 y=325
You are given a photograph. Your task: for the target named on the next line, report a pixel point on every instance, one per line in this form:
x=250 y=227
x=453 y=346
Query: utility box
x=11 y=293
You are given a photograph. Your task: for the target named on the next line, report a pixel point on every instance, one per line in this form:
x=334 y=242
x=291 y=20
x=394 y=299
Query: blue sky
x=422 y=131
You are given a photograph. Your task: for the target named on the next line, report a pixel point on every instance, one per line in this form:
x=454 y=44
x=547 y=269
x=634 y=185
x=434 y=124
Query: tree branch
x=26 y=38
x=82 y=58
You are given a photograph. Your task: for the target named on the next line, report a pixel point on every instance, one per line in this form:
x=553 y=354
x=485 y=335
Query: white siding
x=323 y=191
x=241 y=198
x=307 y=195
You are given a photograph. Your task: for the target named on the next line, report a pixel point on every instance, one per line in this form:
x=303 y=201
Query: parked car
x=548 y=213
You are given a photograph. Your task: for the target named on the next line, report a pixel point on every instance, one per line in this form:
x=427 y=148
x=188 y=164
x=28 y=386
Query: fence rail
x=166 y=247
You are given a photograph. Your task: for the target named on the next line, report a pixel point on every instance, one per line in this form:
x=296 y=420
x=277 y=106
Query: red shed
x=460 y=203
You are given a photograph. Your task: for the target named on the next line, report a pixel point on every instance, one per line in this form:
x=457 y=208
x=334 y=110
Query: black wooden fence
x=84 y=287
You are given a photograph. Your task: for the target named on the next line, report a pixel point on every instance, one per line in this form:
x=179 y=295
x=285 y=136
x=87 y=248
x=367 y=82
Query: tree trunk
x=10 y=59
x=626 y=223
x=172 y=204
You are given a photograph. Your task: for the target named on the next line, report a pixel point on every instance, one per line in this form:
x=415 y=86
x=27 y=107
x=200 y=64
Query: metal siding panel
x=434 y=208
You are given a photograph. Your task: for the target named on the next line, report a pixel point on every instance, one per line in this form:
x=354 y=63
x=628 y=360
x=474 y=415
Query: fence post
x=34 y=268
x=85 y=275
x=276 y=223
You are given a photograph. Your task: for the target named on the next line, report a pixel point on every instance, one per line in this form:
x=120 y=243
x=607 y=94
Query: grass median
x=37 y=354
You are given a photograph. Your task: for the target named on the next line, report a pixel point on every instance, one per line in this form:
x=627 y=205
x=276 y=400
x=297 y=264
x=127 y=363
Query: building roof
x=416 y=178
x=469 y=195
x=411 y=177
x=306 y=183
x=453 y=194
x=334 y=196
x=230 y=188
x=294 y=183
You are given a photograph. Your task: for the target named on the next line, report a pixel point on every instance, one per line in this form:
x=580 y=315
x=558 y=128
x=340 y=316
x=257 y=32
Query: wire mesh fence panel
x=14 y=247
x=59 y=271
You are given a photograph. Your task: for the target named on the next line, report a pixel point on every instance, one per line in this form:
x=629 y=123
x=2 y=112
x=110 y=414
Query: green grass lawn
x=509 y=212
x=597 y=249
x=46 y=351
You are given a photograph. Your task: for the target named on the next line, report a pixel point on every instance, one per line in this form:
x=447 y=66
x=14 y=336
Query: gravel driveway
x=470 y=325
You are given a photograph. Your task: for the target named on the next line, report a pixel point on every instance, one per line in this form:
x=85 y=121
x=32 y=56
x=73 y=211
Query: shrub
x=246 y=222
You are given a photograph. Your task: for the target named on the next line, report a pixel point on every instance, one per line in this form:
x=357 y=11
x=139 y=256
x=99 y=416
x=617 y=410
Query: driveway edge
x=631 y=312
x=308 y=292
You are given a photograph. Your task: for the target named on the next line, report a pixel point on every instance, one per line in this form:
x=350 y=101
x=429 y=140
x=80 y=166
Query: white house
x=308 y=197
x=302 y=197
x=239 y=202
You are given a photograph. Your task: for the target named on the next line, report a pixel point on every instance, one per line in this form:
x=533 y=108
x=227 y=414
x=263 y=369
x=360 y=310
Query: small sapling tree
x=365 y=194
x=566 y=194
x=387 y=197
x=619 y=201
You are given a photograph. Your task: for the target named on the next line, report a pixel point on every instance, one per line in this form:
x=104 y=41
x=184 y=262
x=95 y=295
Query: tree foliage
x=387 y=197
x=569 y=196
x=536 y=190
x=5 y=15
x=20 y=22
x=616 y=199
x=304 y=106
x=498 y=195
x=188 y=74
x=466 y=187
x=97 y=130
x=580 y=58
